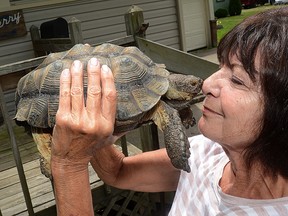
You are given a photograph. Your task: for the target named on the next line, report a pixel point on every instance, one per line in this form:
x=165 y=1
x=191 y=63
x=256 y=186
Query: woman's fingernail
x=66 y=72
x=94 y=61
x=105 y=68
x=76 y=64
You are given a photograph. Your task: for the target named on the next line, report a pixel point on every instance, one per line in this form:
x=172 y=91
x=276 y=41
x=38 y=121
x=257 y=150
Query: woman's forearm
x=149 y=172
x=107 y=162
x=72 y=190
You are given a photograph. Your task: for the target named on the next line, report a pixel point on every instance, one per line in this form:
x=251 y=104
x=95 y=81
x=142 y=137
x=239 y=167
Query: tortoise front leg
x=175 y=138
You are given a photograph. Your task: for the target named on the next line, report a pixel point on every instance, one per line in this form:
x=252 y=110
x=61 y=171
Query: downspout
x=209 y=12
x=181 y=28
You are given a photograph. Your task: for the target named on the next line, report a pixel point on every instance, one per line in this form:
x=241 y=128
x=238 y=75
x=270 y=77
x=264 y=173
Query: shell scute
x=38 y=111
x=52 y=109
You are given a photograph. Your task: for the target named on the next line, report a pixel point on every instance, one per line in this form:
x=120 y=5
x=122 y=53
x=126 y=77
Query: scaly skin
x=176 y=141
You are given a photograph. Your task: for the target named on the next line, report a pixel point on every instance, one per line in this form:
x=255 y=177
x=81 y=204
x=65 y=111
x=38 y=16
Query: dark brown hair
x=265 y=34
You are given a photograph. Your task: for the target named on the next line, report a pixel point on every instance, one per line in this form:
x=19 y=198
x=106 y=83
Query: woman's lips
x=207 y=110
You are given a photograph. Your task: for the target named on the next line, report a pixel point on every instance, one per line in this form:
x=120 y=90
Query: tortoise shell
x=139 y=81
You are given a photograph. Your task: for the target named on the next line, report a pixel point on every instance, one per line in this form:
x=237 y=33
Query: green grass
x=229 y=22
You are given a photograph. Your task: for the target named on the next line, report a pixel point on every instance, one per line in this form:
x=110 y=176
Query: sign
x=12 y=24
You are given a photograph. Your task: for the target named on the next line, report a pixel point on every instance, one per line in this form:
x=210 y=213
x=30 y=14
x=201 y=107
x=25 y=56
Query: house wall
x=100 y=21
x=195 y=20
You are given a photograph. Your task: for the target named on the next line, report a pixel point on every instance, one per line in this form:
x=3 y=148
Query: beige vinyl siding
x=100 y=21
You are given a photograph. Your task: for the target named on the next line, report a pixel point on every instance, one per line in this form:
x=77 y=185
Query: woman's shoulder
x=204 y=149
x=201 y=139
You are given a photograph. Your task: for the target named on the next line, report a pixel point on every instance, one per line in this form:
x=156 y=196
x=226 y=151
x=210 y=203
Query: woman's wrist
x=64 y=167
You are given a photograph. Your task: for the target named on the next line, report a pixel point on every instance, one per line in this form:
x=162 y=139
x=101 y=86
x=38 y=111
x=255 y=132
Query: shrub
x=235 y=7
x=221 y=12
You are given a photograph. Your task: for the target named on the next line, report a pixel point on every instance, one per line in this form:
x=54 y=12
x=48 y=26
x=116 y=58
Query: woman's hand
x=82 y=126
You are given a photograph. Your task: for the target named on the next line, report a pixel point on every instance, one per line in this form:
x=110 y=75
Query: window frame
x=6 y=5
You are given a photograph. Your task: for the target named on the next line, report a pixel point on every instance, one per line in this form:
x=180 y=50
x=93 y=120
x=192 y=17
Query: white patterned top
x=199 y=193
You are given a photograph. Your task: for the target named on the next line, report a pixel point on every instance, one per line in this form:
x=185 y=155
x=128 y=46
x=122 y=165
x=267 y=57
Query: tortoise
x=146 y=91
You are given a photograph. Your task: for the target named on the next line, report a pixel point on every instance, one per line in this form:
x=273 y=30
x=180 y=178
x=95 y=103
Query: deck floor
x=12 y=200
x=40 y=188
x=27 y=147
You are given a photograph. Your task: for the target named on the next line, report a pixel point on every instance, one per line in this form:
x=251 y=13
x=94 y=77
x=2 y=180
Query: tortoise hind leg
x=43 y=140
x=175 y=138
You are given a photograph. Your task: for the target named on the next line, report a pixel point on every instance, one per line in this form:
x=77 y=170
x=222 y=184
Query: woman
x=238 y=164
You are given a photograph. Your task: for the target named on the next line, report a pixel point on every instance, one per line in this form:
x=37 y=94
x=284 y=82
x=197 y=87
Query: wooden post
x=75 y=31
x=135 y=25
x=35 y=35
x=213 y=31
x=134 y=21
x=149 y=137
x=124 y=145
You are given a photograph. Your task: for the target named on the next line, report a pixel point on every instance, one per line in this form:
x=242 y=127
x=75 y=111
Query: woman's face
x=233 y=107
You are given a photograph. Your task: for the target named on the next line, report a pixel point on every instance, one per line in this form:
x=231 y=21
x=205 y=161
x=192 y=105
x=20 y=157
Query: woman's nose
x=211 y=85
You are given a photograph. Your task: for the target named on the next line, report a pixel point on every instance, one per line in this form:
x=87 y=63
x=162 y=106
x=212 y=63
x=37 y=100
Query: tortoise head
x=183 y=87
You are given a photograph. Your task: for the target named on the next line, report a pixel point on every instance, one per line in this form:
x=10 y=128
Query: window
x=19 y=2
x=7 y=5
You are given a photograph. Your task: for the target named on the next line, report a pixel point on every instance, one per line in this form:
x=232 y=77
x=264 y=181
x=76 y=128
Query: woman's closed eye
x=236 y=80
